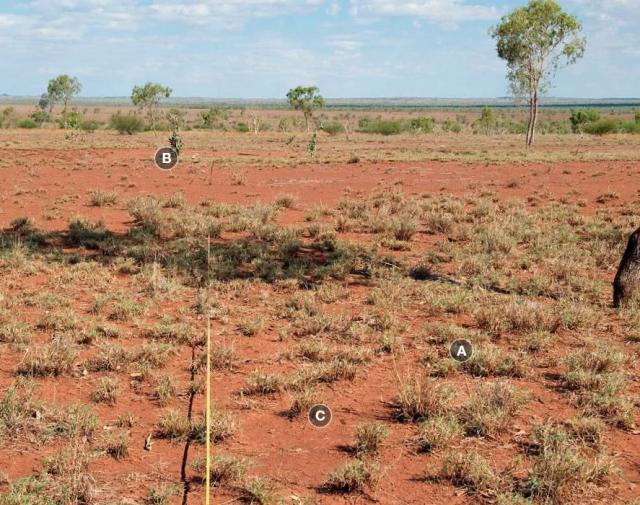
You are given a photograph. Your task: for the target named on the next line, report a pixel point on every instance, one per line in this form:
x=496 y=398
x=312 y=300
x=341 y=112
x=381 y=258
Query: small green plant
x=258 y=490
x=580 y=118
x=117 y=446
x=99 y=198
x=353 y=476
x=175 y=142
x=369 y=437
x=419 y=399
x=438 y=432
x=225 y=470
x=422 y=124
x=106 y=391
x=312 y=146
x=469 y=470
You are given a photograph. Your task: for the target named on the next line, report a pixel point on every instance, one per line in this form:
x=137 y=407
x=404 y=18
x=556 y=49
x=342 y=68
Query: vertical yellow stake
x=208 y=415
x=207 y=491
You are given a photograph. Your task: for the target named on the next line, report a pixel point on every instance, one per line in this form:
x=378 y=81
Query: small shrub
x=251 y=327
x=165 y=389
x=381 y=126
x=117 y=446
x=99 y=198
x=126 y=123
x=333 y=127
x=602 y=127
x=172 y=426
x=55 y=358
x=263 y=384
x=242 y=127
x=469 y=470
x=353 y=476
x=560 y=469
x=580 y=118
x=225 y=470
x=106 y=391
x=27 y=123
x=491 y=408
x=421 y=124
x=438 y=432
x=369 y=437
x=420 y=399
x=257 y=490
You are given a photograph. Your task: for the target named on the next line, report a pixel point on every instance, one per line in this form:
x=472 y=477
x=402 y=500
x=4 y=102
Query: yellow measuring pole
x=207 y=490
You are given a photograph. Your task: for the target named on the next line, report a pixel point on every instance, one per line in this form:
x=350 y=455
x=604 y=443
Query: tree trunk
x=535 y=118
x=306 y=122
x=527 y=141
x=627 y=281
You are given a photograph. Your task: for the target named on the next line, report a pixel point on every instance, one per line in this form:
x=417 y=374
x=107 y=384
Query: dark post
x=628 y=277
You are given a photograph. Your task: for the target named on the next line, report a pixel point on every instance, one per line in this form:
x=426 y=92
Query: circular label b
x=166 y=158
x=320 y=415
x=461 y=350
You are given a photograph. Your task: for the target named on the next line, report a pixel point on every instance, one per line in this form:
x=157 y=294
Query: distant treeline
x=491 y=121
x=382 y=104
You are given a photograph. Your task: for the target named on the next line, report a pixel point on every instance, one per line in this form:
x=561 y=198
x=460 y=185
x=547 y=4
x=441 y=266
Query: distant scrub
x=381 y=126
x=422 y=124
x=396 y=126
x=333 y=127
x=579 y=118
x=126 y=123
x=449 y=125
x=606 y=126
x=89 y=126
x=69 y=120
x=27 y=123
x=213 y=118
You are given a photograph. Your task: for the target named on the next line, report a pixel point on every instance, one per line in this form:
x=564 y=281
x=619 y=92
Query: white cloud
x=333 y=9
x=11 y=21
x=228 y=13
x=446 y=11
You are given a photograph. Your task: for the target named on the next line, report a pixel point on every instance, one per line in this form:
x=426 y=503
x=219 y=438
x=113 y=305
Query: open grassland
x=339 y=280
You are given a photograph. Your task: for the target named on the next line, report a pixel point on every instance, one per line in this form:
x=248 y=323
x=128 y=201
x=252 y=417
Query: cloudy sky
x=261 y=48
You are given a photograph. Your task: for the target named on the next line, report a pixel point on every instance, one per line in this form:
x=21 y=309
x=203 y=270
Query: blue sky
x=261 y=48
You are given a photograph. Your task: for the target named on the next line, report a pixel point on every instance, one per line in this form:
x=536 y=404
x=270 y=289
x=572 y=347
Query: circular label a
x=319 y=416
x=461 y=350
x=166 y=158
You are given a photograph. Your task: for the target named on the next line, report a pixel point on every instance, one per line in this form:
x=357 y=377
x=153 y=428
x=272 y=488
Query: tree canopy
x=148 y=97
x=62 y=89
x=305 y=99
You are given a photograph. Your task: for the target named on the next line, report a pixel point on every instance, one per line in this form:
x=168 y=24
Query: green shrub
x=422 y=125
x=27 y=123
x=69 y=120
x=9 y=117
x=89 y=126
x=580 y=118
x=488 y=122
x=637 y=116
x=242 y=127
x=126 y=123
x=213 y=117
x=39 y=116
x=333 y=127
x=602 y=127
x=630 y=126
x=558 y=127
x=449 y=125
x=381 y=126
